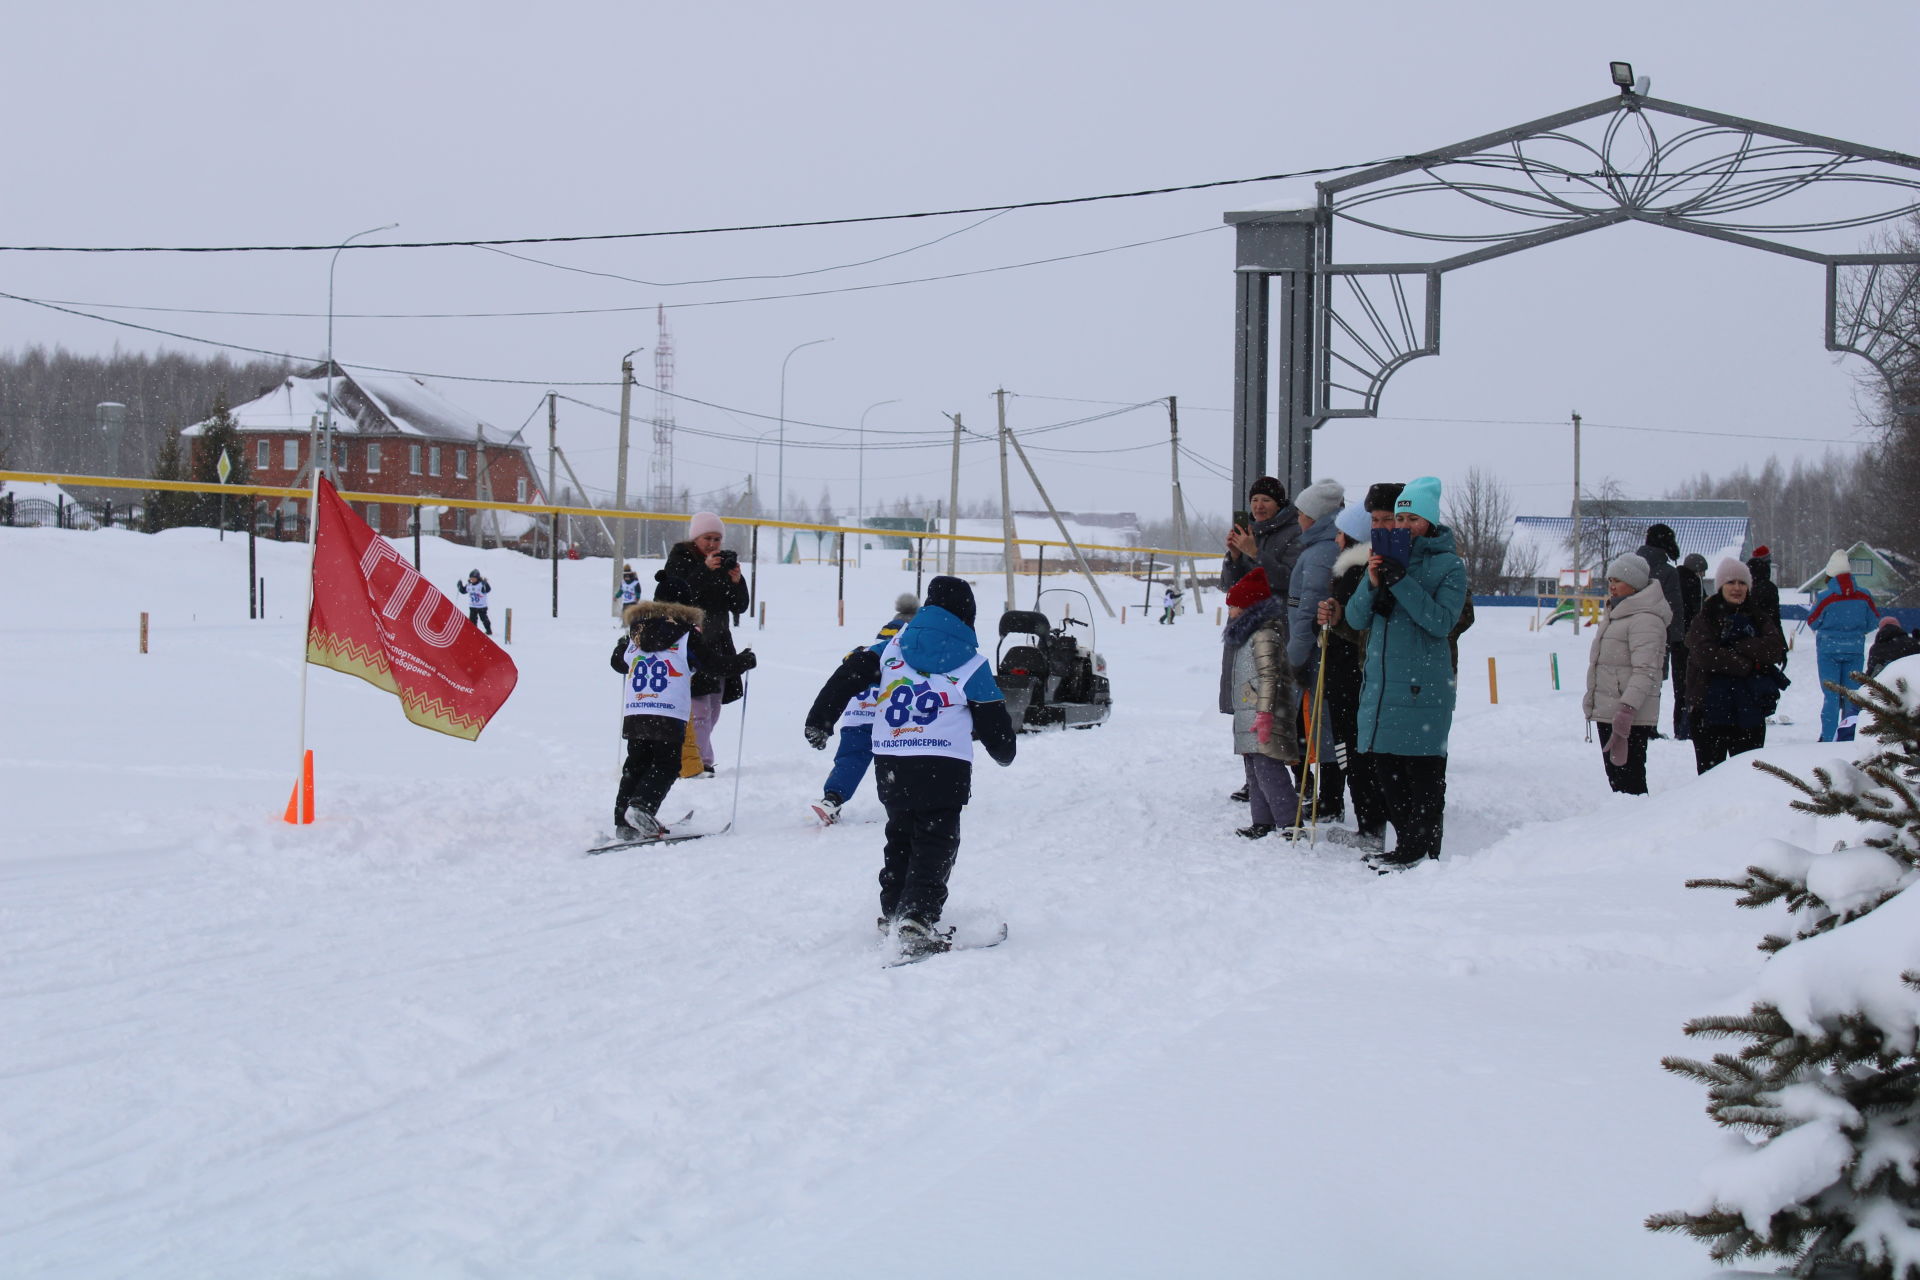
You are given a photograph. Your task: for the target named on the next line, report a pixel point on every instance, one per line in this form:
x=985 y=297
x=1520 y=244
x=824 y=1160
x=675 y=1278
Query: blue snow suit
x=1842 y=618
x=1406 y=703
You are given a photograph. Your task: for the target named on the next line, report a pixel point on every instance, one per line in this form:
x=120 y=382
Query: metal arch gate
x=1345 y=327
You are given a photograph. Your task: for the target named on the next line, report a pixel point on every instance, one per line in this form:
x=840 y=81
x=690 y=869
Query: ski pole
x=741 y=749
x=1319 y=764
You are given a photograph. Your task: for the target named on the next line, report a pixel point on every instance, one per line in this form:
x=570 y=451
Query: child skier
x=629 y=591
x=936 y=695
x=658 y=656
x=1170 y=604
x=856 y=729
x=478 y=589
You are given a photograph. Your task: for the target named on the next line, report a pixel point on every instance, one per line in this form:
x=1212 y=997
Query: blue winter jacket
x=1841 y=619
x=1406 y=702
x=1312 y=582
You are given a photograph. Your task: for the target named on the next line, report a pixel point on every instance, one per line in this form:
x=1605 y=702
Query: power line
x=704 y=231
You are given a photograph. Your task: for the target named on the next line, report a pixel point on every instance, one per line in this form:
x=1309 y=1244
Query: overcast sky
x=229 y=123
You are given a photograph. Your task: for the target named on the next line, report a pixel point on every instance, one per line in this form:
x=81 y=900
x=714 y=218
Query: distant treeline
x=47 y=402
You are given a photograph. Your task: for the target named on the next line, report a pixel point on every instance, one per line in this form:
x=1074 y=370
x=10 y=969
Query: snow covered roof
x=1538 y=546
x=363 y=404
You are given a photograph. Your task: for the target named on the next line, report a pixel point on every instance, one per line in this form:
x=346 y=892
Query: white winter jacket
x=1629 y=656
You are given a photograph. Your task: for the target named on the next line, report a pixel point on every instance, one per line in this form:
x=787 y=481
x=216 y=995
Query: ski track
x=426 y=1037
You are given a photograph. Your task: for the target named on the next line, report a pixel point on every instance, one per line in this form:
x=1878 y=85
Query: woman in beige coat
x=1624 y=671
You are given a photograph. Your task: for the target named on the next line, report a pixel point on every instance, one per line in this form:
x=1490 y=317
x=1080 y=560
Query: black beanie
x=1661 y=538
x=671 y=589
x=953 y=595
x=1382 y=496
x=1271 y=487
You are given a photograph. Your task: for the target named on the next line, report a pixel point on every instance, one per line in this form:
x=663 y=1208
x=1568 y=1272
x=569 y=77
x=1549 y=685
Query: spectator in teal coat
x=1406 y=702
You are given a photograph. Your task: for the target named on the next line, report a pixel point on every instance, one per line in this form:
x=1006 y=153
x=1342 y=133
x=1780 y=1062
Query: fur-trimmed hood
x=1354 y=557
x=1270 y=612
x=658 y=623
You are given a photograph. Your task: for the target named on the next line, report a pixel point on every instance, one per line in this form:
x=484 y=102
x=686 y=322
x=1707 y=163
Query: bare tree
x=1479 y=510
x=1606 y=530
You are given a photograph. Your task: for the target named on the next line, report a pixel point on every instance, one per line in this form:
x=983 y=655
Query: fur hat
x=1382 y=496
x=906 y=604
x=1421 y=498
x=671 y=588
x=1661 y=538
x=1320 y=499
x=1250 y=590
x=1731 y=570
x=1838 y=563
x=1356 y=522
x=1632 y=570
x=1695 y=562
x=1271 y=487
x=704 y=522
x=952 y=594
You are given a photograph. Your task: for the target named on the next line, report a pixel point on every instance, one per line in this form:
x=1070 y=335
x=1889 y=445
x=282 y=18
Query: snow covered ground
x=426 y=1038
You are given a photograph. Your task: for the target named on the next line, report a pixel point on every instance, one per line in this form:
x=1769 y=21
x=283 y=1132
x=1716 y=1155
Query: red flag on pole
x=374 y=617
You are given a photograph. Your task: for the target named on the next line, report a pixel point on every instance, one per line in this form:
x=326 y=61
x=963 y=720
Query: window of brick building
x=290 y=455
x=413 y=459
x=373 y=457
x=263 y=455
x=433 y=460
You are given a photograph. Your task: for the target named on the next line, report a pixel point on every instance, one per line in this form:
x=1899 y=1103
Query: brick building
x=391 y=434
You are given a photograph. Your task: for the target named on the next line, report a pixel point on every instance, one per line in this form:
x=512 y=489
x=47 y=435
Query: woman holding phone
x=1264 y=536
x=1408 y=610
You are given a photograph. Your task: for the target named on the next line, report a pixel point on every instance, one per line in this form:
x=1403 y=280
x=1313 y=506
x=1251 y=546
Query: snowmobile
x=1054 y=682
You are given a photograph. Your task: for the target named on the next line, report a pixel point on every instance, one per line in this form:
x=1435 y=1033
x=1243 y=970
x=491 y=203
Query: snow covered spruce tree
x=1825 y=1092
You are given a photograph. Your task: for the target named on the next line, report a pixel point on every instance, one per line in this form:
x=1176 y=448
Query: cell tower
x=660 y=470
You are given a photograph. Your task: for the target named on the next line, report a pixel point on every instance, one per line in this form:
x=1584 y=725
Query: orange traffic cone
x=300 y=803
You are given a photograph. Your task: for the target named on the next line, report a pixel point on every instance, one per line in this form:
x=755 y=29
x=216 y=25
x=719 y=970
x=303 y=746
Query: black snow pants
x=921 y=847
x=478 y=617
x=1414 y=789
x=649 y=773
x=1712 y=746
x=1677 y=654
x=1629 y=778
x=1369 y=811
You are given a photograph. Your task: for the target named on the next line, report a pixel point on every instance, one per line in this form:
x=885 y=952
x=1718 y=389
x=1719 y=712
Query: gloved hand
x=1263 y=727
x=1391 y=571
x=817 y=737
x=748 y=659
x=1302 y=675
x=1622 y=736
x=1738 y=626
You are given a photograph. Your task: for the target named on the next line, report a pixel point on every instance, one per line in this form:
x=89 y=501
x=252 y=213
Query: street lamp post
x=326 y=430
x=860 y=500
x=780 y=498
x=620 y=474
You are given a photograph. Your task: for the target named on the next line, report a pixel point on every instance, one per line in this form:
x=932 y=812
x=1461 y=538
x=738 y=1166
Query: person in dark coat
x=1691 y=572
x=1346 y=651
x=719 y=592
x=1891 y=643
x=1271 y=541
x=1661 y=551
x=1765 y=594
x=937 y=695
x=1731 y=649
x=659 y=657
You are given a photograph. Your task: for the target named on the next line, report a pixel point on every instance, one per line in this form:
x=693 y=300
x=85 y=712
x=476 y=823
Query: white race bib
x=918 y=714
x=659 y=684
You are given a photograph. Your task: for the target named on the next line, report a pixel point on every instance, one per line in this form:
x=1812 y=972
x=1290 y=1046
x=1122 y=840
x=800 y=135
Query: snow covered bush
x=1823 y=1099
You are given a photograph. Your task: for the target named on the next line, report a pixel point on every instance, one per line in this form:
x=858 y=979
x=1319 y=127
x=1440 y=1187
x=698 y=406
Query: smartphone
x=1393 y=544
x=1243 y=520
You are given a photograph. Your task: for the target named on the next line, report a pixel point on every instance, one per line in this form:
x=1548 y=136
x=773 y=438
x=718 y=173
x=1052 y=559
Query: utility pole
x=620 y=474
x=1579 y=552
x=953 y=497
x=1180 y=505
x=1061 y=525
x=553 y=521
x=1007 y=549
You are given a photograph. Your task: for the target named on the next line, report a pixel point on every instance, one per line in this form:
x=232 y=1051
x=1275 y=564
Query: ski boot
x=917 y=939
x=827 y=809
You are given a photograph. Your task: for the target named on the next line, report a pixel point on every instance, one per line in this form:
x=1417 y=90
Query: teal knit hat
x=1420 y=498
